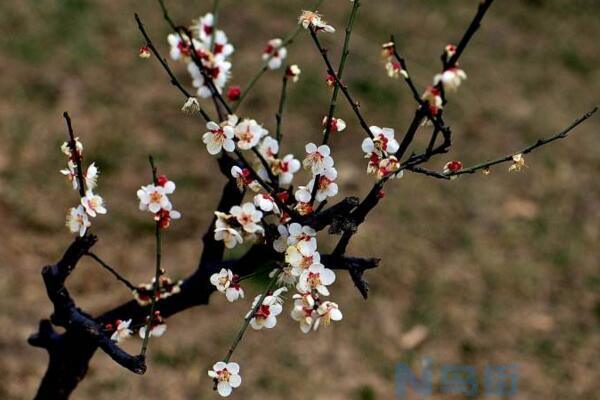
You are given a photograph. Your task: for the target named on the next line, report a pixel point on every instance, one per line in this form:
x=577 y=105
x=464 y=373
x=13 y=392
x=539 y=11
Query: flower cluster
x=154 y=198
x=78 y=218
x=207 y=54
x=122 y=330
x=380 y=151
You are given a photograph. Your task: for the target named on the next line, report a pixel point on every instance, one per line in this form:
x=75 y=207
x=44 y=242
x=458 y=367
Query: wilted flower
x=315 y=21
x=144 y=52
x=518 y=163
x=191 y=106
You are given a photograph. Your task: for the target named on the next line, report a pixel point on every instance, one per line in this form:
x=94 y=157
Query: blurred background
x=499 y=269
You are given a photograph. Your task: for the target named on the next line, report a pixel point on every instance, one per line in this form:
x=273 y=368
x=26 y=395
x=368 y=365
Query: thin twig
x=246 y=322
x=157 y=272
x=165 y=65
x=279 y=115
x=541 y=142
x=75 y=154
x=110 y=269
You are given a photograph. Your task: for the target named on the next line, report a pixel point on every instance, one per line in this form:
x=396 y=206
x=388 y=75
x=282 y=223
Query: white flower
x=280 y=244
x=299 y=233
x=179 y=48
x=388 y=166
x=219 y=71
x=249 y=132
x=383 y=142
x=122 y=332
x=316 y=277
x=277 y=294
x=301 y=256
x=93 y=204
x=155 y=330
x=203 y=26
x=154 y=198
x=303 y=313
x=268 y=148
x=266 y=203
x=91 y=176
x=294 y=72
x=66 y=148
x=222 y=279
x=248 y=217
x=337 y=124
x=433 y=97
x=218 y=138
x=284 y=275
x=274 y=53
x=450 y=78
x=394 y=69
x=227 y=377
x=326 y=312
x=222 y=46
x=266 y=314
x=227 y=282
x=225 y=232
x=285 y=168
x=314 y=20
x=77 y=220
x=326 y=186
x=191 y=106
x=303 y=194
x=317 y=158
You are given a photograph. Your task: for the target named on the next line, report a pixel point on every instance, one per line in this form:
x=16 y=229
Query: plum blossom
x=303 y=196
x=249 y=132
x=326 y=312
x=388 y=166
x=227 y=377
x=268 y=148
x=218 y=138
x=317 y=158
x=301 y=256
x=93 y=204
x=293 y=71
x=285 y=168
x=326 y=187
x=228 y=283
x=304 y=311
x=314 y=20
x=449 y=51
x=77 y=220
x=225 y=231
x=266 y=203
x=281 y=243
x=122 y=332
x=144 y=52
x=284 y=275
x=154 y=198
x=191 y=106
x=266 y=314
x=518 y=163
x=337 y=124
x=222 y=46
x=394 y=69
x=243 y=178
x=180 y=46
x=234 y=93
x=248 y=217
x=144 y=292
x=203 y=26
x=451 y=167
x=316 y=277
x=164 y=217
x=274 y=53
x=217 y=69
x=450 y=78
x=157 y=327
x=298 y=233
x=433 y=98
x=66 y=149
x=382 y=143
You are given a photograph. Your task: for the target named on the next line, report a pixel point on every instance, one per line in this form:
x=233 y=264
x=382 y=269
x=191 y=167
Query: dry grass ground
x=499 y=269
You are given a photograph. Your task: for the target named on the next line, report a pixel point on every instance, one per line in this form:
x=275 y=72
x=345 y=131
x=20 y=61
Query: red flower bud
x=234 y=93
